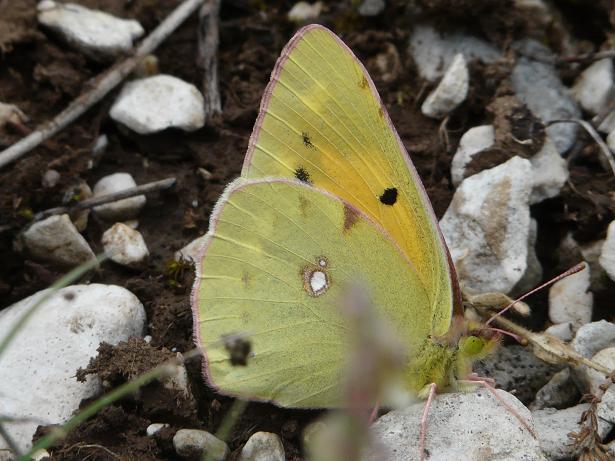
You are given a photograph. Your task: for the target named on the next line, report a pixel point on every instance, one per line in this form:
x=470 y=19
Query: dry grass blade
x=595 y=136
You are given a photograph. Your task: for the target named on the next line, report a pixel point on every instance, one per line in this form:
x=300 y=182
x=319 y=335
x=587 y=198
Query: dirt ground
x=42 y=75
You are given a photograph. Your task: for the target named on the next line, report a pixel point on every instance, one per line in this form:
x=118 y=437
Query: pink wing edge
x=457 y=307
x=236 y=186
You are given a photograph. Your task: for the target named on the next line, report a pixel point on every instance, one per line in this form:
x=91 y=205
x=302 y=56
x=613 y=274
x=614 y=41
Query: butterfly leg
x=432 y=393
x=488 y=384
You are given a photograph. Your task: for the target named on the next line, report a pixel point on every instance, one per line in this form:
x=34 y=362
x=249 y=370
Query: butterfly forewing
x=322 y=122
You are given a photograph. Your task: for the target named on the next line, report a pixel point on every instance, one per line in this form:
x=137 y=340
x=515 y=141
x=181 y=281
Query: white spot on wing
x=318 y=281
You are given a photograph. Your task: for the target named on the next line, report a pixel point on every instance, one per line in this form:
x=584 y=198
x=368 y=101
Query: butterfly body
x=328 y=198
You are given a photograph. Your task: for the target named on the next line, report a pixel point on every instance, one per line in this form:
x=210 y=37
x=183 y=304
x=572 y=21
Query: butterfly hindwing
x=278 y=259
x=322 y=122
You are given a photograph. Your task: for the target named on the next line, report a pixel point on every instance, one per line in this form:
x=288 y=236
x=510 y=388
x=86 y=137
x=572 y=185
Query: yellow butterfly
x=327 y=196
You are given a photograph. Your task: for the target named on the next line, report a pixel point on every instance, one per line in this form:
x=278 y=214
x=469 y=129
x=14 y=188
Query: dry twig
x=101 y=200
x=207 y=58
x=101 y=85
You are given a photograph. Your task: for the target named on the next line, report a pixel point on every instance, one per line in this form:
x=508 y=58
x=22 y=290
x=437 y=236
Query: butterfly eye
x=472 y=345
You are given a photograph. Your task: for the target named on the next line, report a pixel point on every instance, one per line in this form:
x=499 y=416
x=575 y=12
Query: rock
x=371 y=7
x=571 y=301
x=191 y=251
x=152 y=429
x=473 y=141
x=303 y=12
x=263 y=446
x=549 y=169
x=38 y=369
x=97 y=34
x=125 y=246
x=553 y=427
x=608 y=124
x=460 y=427
x=192 y=443
x=549 y=173
x=50 y=179
x=595 y=86
x=593 y=337
x=120 y=210
x=607 y=254
x=595 y=379
x=610 y=141
x=559 y=392
x=487 y=227
x=10 y=113
x=78 y=191
x=450 y=92
x=538 y=85
x=517 y=370
x=57 y=240
x=153 y=104
x=563 y=331
x=533 y=272
x=178 y=381
x=433 y=52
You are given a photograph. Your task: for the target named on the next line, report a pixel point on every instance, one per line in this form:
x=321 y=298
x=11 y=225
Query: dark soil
x=42 y=75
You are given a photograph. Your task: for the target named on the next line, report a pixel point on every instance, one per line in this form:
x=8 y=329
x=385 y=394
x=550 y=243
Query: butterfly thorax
x=445 y=360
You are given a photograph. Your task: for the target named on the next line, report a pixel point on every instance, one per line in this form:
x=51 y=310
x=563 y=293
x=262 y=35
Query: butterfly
x=327 y=196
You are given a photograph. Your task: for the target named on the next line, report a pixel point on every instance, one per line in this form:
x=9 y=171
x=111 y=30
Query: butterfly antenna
x=573 y=270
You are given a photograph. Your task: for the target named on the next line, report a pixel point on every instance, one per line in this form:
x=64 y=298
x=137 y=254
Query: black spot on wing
x=303 y=175
x=307 y=142
x=389 y=196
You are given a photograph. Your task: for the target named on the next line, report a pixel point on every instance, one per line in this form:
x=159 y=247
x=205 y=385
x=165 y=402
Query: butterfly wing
x=322 y=122
x=278 y=257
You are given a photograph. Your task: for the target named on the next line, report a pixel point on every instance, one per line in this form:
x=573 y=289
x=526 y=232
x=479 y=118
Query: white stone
x=559 y=392
x=152 y=429
x=533 y=272
x=433 y=52
x=487 y=227
x=570 y=299
x=10 y=113
x=593 y=337
x=549 y=172
x=371 y=7
x=610 y=141
x=96 y=33
x=50 y=179
x=549 y=169
x=38 y=368
x=302 y=12
x=178 y=381
x=460 y=427
x=608 y=124
x=153 y=104
x=263 y=446
x=473 y=141
x=553 y=427
x=450 y=92
x=193 y=442
x=125 y=246
x=191 y=252
x=563 y=331
x=538 y=85
x=56 y=239
x=594 y=87
x=119 y=210
x=607 y=254
x=595 y=379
